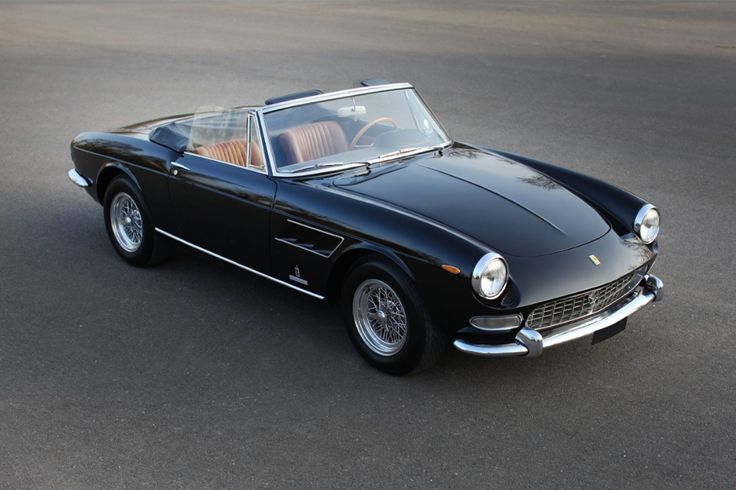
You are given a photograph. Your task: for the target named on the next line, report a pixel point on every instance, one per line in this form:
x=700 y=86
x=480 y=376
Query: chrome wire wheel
x=379 y=317
x=126 y=222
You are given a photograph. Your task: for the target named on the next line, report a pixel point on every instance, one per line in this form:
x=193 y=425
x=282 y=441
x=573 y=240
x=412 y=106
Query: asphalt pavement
x=197 y=375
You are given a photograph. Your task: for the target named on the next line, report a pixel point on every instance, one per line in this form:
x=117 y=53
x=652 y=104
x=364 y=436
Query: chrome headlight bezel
x=639 y=222
x=487 y=264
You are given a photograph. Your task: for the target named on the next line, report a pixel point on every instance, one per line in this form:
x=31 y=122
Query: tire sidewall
x=141 y=256
x=411 y=352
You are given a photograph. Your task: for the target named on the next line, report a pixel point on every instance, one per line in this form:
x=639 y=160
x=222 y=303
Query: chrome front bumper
x=530 y=343
x=78 y=178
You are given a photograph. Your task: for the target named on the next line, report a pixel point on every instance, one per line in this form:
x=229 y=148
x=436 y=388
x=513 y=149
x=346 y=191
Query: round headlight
x=490 y=276
x=646 y=224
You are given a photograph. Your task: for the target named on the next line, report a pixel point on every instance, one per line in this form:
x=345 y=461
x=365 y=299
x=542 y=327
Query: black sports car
x=360 y=196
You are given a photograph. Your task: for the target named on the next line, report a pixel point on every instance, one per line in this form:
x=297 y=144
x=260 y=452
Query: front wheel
x=386 y=320
x=130 y=227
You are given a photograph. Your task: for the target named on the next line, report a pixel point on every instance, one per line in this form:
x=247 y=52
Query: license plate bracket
x=609 y=332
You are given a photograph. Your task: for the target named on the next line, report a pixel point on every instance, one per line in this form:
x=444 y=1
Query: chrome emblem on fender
x=297 y=276
x=594 y=259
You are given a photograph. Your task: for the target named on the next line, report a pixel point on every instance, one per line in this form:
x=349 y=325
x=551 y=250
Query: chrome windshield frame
x=262 y=111
x=351 y=92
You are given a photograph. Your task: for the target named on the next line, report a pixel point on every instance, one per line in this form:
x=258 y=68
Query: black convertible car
x=360 y=196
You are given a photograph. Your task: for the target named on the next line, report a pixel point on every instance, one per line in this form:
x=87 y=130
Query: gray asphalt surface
x=194 y=374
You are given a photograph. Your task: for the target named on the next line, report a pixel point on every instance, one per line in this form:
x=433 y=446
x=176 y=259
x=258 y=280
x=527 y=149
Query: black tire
x=153 y=247
x=424 y=343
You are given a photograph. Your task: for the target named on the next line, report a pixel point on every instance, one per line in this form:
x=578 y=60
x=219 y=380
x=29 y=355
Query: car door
x=220 y=202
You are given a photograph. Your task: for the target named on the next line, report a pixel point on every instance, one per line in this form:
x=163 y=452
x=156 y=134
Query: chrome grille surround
x=571 y=308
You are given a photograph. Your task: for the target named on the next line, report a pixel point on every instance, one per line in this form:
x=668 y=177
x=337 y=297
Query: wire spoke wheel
x=126 y=222
x=380 y=317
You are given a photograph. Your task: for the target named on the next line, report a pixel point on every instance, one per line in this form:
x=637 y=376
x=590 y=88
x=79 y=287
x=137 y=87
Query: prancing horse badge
x=594 y=259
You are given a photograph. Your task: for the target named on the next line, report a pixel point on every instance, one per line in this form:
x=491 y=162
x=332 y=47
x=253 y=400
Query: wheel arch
x=348 y=257
x=107 y=173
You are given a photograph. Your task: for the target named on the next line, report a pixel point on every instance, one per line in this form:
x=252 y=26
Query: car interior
x=357 y=128
x=234 y=151
x=223 y=137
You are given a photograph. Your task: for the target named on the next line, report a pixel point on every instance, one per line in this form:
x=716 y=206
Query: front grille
x=577 y=306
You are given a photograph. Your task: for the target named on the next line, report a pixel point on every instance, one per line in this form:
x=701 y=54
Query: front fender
x=353 y=252
x=107 y=172
x=616 y=204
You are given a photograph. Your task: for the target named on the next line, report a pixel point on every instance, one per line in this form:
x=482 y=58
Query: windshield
x=361 y=128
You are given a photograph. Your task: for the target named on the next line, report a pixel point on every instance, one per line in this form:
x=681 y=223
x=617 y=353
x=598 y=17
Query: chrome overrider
x=530 y=343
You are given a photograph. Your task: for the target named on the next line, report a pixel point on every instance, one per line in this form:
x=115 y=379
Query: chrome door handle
x=178 y=167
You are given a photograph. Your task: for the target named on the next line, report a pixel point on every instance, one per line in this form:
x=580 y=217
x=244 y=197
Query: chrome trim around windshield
x=416 y=151
x=351 y=92
x=266 y=142
x=340 y=166
x=266 y=145
x=236 y=264
x=337 y=167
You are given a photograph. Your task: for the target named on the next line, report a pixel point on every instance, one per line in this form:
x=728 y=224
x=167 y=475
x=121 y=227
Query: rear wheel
x=129 y=225
x=386 y=320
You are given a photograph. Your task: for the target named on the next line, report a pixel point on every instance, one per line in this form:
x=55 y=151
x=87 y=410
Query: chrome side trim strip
x=236 y=264
x=530 y=343
x=316 y=229
x=77 y=178
x=342 y=239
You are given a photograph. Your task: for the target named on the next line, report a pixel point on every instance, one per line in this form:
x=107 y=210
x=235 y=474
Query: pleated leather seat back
x=312 y=141
x=234 y=152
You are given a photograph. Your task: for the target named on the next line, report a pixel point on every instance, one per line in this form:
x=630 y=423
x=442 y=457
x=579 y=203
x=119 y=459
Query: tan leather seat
x=234 y=152
x=311 y=141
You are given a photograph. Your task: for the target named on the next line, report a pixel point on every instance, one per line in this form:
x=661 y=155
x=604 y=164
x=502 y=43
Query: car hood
x=502 y=203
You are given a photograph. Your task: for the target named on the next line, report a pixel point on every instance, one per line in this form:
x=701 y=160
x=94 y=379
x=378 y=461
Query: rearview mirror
x=351 y=110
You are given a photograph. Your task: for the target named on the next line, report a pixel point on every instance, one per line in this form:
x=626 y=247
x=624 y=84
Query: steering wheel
x=364 y=129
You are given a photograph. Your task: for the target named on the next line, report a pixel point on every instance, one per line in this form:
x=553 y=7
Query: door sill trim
x=236 y=264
